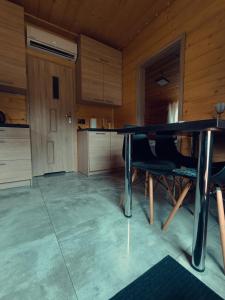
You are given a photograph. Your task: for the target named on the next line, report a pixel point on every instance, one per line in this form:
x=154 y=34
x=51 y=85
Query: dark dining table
x=205 y=130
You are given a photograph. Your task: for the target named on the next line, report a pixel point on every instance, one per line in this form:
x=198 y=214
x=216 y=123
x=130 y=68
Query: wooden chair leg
x=169 y=190
x=178 y=204
x=155 y=186
x=146 y=183
x=221 y=216
x=151 y=200
x=134 y=176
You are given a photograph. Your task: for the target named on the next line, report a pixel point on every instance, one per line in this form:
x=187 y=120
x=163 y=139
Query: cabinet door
x=99 y=151
x=116 y=147
x=100 y=76
x=12 y=41
x=91 y=80
x=112 y=84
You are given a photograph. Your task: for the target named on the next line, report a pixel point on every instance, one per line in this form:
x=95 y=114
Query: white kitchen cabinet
x=99 y=151
x=15 y=157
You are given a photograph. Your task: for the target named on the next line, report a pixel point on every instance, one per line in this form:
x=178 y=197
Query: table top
x=178 y=128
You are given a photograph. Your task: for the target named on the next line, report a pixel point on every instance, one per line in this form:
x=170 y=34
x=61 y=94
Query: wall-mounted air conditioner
x=51 y=43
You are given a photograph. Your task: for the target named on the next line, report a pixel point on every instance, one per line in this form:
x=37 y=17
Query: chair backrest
x=140 y=148
x=218 y=176
x=166 y=149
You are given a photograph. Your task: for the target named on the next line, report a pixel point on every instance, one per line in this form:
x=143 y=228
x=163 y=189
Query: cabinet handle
x=2 y=164
x=2 y=129
x=1 y=141
x=100 y=133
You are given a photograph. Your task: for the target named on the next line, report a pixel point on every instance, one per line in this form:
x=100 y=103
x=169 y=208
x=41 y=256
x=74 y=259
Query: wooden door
x=51 y=97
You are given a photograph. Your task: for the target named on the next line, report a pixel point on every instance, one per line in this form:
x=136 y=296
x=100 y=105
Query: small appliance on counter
x=93 y=123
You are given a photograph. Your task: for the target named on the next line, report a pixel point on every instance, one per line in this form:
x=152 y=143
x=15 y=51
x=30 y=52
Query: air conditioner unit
x=51 y=43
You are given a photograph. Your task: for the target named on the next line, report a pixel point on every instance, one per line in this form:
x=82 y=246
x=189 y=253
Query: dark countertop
x=98 y=129
x=15 y=125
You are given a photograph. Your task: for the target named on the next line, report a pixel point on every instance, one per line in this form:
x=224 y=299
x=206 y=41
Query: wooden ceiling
x=115 y=22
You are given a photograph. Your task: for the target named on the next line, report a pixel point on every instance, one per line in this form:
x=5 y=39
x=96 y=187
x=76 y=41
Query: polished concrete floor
x=66 y=238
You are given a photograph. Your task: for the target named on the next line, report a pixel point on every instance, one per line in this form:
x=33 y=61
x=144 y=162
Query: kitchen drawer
x=16 y=133
x=99 y=151
x=14 y=149
x=15 y=170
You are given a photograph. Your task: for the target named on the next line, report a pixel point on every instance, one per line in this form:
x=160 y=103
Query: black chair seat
x=185 y=172
x=153 y=166
x=218 y=173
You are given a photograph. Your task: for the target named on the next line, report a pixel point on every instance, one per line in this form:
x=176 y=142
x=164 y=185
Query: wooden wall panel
x=204 y=77
x=95 y=111
x=14 y=107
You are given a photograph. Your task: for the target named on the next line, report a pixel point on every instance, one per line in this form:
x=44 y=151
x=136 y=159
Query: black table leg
x=128 y=176
x=202 y=200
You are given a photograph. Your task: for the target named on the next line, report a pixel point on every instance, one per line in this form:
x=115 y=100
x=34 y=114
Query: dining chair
x=143 y=159
x=166 y=148
x=217 y=181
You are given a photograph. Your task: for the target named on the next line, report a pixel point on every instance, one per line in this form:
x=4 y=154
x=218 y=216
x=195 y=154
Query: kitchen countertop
x=15 y=125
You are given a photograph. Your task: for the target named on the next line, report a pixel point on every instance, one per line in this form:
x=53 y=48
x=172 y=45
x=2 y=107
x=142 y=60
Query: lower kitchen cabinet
x=99 y=151
x=15 y=157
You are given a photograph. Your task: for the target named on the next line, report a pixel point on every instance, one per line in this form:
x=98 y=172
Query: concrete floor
x=66 y=238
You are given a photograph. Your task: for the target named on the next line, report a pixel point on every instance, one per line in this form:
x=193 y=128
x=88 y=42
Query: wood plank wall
x=14 y=107
x=95 y=111
x=157 y=98
x=204 y=76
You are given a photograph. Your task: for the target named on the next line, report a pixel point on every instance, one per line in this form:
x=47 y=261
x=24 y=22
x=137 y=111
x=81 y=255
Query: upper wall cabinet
x=99 y=73
x=12 y=49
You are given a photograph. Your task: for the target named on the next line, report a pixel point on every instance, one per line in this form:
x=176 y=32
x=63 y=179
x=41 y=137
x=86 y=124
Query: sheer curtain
x=172 y=116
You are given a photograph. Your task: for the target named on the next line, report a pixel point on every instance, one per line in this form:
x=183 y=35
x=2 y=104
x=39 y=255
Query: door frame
x=140 y=103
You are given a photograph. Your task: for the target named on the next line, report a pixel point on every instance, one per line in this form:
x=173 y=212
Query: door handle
x=69 y=117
